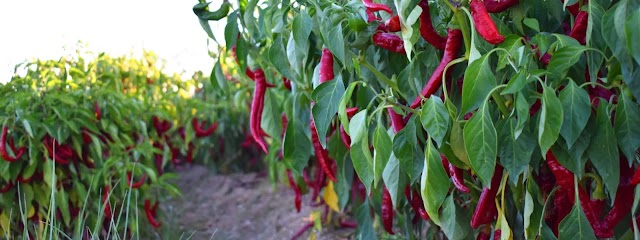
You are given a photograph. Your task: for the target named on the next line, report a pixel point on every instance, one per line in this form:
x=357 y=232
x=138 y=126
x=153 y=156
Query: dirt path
x=238 y=206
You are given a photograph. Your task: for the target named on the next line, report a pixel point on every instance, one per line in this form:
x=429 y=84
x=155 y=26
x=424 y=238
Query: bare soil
x=239 y=206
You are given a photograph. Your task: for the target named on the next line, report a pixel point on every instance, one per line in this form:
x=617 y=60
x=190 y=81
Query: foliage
x=99 y=111
x=559 y=81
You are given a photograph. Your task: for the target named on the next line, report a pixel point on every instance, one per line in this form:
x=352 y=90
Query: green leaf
x=575 y=225
x=435 y=119
x=563 y=59
x=532 y=23
x=230 y=30
x=478 y=82
x=522 y=110
x=217 y=78
x=455 y=220
x=514 y=154
x=456 y=139
x=406 y=149
x=603 y=150
x=334 y=40
x=360 y=153
x=577 y=109
x=551 y=117
x=382 y=146
x=632 y=34
x=516 y=83
x=278 y=57
x=302 y=26
x=481 y=142
x=297 y=143
x=391 y=178
x=434 y=184
x=342 y=106
x=365 y=224
x=271 y=117
x=327 y=97
x=627 y=128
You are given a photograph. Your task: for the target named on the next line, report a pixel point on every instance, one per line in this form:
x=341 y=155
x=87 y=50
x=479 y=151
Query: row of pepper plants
x=511 y=119
x=87 y=141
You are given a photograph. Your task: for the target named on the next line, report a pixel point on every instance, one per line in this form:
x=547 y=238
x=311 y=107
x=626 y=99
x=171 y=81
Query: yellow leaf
x=31 y=211
x=330 y=197
x=5 y=224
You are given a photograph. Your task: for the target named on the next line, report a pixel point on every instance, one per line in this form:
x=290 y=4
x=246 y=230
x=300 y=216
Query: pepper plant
x=505 y=118
x=86 y=140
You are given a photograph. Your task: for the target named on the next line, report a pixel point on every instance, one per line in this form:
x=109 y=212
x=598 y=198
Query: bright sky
x=43 y=29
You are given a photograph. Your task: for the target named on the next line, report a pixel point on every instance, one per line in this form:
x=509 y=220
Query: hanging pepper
x=579 y=31
x=190 y=153
x=389 y=41
x=322 y=155
x=396 y=120
x=135 y=184
x=3 y=147
x=622 y=203
x=200 y=130
x=561 y=208
x=326 y=66
x=296 y=190
x=63 y=152
x=426 y=27
x=453 y=46
x=374 y=7
x=484 y=24
x=319 y=182
x=486 y=209
x=415 y=200
x=456 y=174
x=106 y=203
x=498 y=6
x=96 y=109
x=257 y=106
x=346 y=140
x=286 y=82
x=150 y=212
x=564 y=179
x=387 y=212
x=598 y=196
x=161 y=126
x=575 y=8
x=370 y=16
x=392 y=24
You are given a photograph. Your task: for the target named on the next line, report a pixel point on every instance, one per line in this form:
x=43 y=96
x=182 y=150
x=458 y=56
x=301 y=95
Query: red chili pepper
x=396 y=120
x=322 y=155
x=200 y=130
x=286 y=82
x=347 y=224
x=622 y=203
x=135 y=184
x=564 y=179
x=161 y=126
x=415 y=200
x=3 y=148
x=96 y=108
x=561 y=208
x=392 y=24
x=326 y=66
x=106 y=203
x=296 y=190
x=249 y=74
x=456 y=174
x=371 y=17
x=453 y=46
x=486 y=209
x=63 y=152
x=257 y=106
x=484 y=233
x=497 y=234
x=158 y=162
x=374 y=7
x=484 y=24
x=86 y=138
x=150 y=212
x=575 y=8
x=190 y=153
x=579 y=31
x=319 y=183
x=6 y=187
x=426 y=27
x=498 y=6
x=389 y=41
x=387 y=211
x=346 y=140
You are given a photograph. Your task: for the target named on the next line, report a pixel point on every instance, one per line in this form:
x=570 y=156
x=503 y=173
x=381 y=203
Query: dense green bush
x=496 y=116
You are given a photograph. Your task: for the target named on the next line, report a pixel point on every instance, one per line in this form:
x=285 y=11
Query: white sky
x=42 y=29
